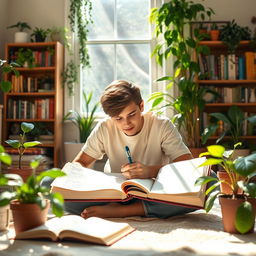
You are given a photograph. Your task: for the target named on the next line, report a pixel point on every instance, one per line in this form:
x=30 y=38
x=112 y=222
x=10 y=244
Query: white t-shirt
x=158 y=142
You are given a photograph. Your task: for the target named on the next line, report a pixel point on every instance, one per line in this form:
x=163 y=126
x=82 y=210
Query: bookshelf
x=237 y=89
x=36 y=95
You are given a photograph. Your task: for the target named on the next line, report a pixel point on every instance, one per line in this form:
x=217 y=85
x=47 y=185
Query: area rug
x=196 y=233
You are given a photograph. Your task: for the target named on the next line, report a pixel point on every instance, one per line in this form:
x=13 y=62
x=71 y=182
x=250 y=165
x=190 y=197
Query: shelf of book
x=233 y=77
x=36 y=95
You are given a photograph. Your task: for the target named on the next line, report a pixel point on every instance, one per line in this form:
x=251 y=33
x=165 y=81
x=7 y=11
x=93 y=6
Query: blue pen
x=128 y=153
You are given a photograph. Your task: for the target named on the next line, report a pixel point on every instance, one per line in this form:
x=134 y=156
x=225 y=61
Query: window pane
x=103 y=20
x=133 y=65
x=132 y=19
x=101 y=72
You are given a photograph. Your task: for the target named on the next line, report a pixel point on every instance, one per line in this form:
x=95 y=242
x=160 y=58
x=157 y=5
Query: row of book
x=231 y=95
x=42 y=58
x=228 y=67
x=23 y=83
x=34 y=109
x=247 y=129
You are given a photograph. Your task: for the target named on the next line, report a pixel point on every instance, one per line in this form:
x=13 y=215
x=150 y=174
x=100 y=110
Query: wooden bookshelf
x=218 y=48
x=30 y=100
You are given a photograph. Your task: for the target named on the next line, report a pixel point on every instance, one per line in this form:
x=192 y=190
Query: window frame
x=155 y=70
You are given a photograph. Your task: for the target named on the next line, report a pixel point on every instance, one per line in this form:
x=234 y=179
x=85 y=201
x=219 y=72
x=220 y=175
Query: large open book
x=174 y=184
x=73 y=227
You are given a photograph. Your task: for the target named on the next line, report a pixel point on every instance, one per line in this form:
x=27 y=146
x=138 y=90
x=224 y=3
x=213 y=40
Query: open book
x=174 y=184
x=73 y=227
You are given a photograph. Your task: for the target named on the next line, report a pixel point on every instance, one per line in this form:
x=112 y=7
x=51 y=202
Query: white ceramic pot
x=21 y=37
x=5 y=215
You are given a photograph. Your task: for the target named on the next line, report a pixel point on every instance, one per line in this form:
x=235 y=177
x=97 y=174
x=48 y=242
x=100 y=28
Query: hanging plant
x=79 y=18
x=70 y=76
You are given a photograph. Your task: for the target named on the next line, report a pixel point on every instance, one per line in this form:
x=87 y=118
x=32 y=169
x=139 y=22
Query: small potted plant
x=21 y=145
x=238 y=207
x=84 y=122
x=39 y=34
x=214 y=32
x=21 y=36
x=30 y=201
x=6 y=68
x=25 y=58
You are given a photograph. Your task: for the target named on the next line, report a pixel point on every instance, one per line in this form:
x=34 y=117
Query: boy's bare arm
x=84 y=159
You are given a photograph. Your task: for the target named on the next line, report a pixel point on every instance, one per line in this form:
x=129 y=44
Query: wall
x=4 y=10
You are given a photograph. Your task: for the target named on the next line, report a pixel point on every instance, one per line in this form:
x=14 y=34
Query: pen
x=128 y=153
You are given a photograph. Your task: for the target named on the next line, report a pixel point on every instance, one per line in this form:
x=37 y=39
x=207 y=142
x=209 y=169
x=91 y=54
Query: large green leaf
x=27 y=127
x=210 y=200
x=248 y=188
x=216 y=150
x=245 y=166
x=244 y=217
x=5 y=158
x=13 y=143
x=30 y=144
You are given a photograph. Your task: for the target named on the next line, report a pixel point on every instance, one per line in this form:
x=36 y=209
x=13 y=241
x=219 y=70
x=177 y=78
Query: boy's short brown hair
x=118 y=95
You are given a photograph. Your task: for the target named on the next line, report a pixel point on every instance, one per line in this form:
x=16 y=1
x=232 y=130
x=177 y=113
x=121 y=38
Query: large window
x=119 y=45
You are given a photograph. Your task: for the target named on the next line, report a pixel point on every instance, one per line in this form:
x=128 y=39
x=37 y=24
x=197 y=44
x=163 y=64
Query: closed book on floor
x=72 y=227
x=174 y=184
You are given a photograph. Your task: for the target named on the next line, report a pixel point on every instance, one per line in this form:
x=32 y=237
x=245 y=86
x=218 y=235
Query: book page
x=143 y=185
x=179 y=177
x=79 y=178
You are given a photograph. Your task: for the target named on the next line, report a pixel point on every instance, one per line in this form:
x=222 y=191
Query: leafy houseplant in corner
x=21 y=145
x=85 y=123
x=21 y=36
x=40 y=34
x=172 y=21
x=30 y=201
x=238 y=207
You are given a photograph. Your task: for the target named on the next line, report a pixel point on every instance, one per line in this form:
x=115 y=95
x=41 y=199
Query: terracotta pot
x=24 y=172
x=224 y=188
x=214 y=35
x=27 y=216
x=228 y=209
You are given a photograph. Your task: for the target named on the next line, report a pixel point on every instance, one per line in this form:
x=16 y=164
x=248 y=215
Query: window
x=119 y=45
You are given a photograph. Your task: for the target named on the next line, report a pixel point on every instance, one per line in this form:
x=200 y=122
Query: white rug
x=196 y=233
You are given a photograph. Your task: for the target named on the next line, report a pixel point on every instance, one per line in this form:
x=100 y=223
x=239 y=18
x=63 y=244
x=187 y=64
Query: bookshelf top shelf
x=221 y=44
x=227 y=82
x=33 y=45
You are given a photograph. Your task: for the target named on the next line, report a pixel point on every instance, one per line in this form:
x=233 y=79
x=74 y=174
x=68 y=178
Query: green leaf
x=57 y=203
x=211 y=161
x=6 y=197
x=27 y=127
x=245 y=166
x=204 y=180
x=31 y=144
x=5 y=158
x=6 y=86
x=244 y=217
x=248 y=188
x=52 y=173
x=210 y=200
x=2 y=149
x=13 y=143
x=216 y=150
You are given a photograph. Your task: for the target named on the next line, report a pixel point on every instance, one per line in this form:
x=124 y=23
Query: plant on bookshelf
x=234 y=123
x=30 y=201
x=171 y=21
x=238 y=207
x=39 y=34
x=21 y=36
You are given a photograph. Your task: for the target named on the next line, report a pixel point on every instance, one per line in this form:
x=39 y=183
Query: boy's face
x=130 y=120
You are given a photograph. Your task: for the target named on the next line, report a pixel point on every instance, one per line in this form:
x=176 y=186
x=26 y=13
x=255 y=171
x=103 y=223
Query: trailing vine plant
x=79 y=18
x=70 y=76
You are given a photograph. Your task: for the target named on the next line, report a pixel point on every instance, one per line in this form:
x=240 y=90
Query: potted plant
x=214 y=32
x=238 y=207
x=25 y=58
x=85 y=123
x=29 y=201
x=233 y=123
x=21 y=145
x=6 y=68
x=231 y=34
x=21 y=36
x=171 y=20
x=39 y=34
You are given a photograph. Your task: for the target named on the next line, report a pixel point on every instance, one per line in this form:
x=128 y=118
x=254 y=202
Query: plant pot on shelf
x=27 y=216
x=21 y=37
x=214 y=34
x=4 y=217
x=24 y=172
x=228 y=209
